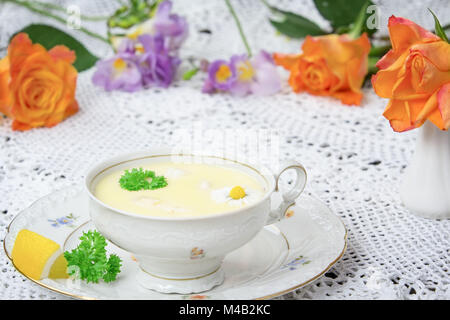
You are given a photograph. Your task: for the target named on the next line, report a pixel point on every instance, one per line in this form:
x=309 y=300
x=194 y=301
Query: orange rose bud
x=37 y=87
x=415 y=76
x=330 y=65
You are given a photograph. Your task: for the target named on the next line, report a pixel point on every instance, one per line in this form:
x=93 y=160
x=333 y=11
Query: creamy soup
x=191 y=190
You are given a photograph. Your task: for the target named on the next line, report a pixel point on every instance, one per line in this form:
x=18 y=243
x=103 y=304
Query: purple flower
x=139 y=63
x=127 y=45
x=245 y=73
x=118 y=73
x=257 y=75
x=171 y=26
x=156 y=65
x=221 y=76
x=266 y=80
x=147 y=56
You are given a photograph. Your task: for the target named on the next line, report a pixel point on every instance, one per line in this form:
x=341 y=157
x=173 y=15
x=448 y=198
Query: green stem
x=379 y=51
x=382 y=38
x=56 y=7
x=241 y=32
x=372 y=69
x=357 y=28
x=55 y=17
x=190 y=73
x=266 y=3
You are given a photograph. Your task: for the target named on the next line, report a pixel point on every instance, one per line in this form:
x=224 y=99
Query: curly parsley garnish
x=138 y=179
x=90 y=260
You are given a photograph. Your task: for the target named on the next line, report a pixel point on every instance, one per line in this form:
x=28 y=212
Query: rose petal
x=357 y=66
x=418 y=79
x=403 y=33
x=403 y=115
x=5 y=96
x=20 y=126
x=348 y=97
x=72 y=109
x=62 y=53
x=312 y=46
x=19 y=50
x=287 y=61
x=385 y=79
x=427 y=109
x=437 y=53
x=356 y=72
x=443 y=98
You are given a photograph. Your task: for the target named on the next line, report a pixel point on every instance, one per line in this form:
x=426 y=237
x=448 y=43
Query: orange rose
x=415 y=76
x=37 y=88
x=5 y=100
x=331 y=65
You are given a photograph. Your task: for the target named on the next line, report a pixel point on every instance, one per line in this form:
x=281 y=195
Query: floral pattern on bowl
x=297 y=262
x=197 y=253
x=289 y=213
x=68 y=221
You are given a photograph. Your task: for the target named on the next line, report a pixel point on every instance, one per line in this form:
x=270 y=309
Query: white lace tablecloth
x=355 y=161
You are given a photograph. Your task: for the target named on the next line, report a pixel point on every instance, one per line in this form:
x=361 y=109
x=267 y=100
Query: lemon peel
x=237 y=193
x=38 y=257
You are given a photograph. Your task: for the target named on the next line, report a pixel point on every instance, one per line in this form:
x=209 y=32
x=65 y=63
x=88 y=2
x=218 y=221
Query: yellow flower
x=237 y=193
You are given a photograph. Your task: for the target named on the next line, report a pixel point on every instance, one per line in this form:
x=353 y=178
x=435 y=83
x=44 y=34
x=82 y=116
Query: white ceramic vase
x=425 y=189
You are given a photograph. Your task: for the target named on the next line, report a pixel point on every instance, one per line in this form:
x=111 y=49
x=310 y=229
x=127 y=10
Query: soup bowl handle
x=288 y=197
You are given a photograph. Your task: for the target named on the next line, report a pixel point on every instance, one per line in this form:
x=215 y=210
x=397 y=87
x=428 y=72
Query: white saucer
x=281 y=258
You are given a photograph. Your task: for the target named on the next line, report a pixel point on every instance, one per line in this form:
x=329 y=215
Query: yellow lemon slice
x=237 y=193
x=38 y=257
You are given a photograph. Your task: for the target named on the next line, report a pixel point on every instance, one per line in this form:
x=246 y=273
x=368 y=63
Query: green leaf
x=137 y=179
x=438 y=28
x=293 y=25
x=89 y=260
x=190 y=73
x=112 y=268
x=49 y=37
x=136 y=11
x=343 y=13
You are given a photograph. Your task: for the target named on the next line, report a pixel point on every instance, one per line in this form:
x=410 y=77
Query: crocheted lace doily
x=355 y=161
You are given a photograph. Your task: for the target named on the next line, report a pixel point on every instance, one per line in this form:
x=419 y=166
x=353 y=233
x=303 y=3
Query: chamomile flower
x=235 y=196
